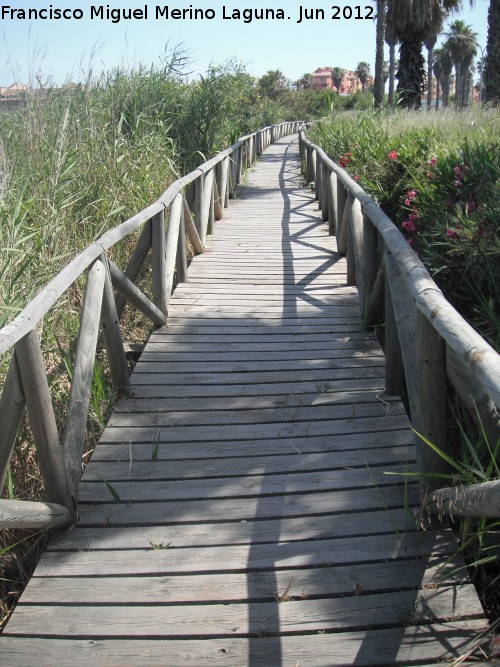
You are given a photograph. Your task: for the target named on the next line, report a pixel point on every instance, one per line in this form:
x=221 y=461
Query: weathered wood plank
x=252 y=531
x=393 y=646
x=245 y=509
x=429 y=605
x=263 y=585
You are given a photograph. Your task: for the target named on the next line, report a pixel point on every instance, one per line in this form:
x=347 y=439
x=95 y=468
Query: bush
x=437 y=177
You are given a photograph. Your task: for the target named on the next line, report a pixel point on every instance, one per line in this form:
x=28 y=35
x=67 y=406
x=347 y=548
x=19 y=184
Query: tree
x=391 y=41
x=413 y=21
x=461 y=43
x=379 y=83
x=272 y=84
x=337 y=76
x=304 y=83
x=362 y=72
x=430 y=42
x=492 y=65
x=443 y=64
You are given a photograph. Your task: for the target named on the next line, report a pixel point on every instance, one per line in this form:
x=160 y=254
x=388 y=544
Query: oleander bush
x=436 y=175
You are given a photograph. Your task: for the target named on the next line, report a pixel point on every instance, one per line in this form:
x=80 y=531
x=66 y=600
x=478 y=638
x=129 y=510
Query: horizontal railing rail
x=427 y=342
x=180 y=211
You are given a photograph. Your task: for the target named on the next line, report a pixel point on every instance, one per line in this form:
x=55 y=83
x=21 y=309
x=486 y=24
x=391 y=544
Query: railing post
x=317 y=183
x=325 y=184
x=369 y=262
x=333 y=204
x=394 y=371
x=113 y=337
x=81 y=381
x=181 y=266
x=158 y=259
x=432 y=396
x=42 y=420
x=11 y=411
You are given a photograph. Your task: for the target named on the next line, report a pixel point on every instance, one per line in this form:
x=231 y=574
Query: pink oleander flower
x=356 y=178
x=392 y=155
x=413 y=216
x=407 y=202
x=411 y=194
x=457 y=183
x=451 y=234
x=457 y=170
x=409 y=226
x=432 y=162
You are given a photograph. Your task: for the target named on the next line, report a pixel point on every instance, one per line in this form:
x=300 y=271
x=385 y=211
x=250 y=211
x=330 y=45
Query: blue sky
x=66 y=49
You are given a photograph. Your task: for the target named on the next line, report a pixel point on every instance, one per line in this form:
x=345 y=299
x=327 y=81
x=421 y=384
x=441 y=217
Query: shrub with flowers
x=440 y=185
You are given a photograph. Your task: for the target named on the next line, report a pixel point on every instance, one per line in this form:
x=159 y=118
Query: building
x=321 y=79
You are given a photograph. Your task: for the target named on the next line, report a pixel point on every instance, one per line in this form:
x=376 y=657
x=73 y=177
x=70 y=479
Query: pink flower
x=392 y=155
x=457 y=183
x=411 y=194
x=451 y=234
x=409 y=226
x=356 y=178
x=457 y=170
x=432 y=162
x=413 y=216
x=407 y=202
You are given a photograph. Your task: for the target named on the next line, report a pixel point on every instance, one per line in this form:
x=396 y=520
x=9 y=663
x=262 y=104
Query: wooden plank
x=159 y=469
x=255 y=485
x=361 y=425
x=264 y=585
x=282 y=415
x=391 y=646
x=122 y=449
x=245 y=509
x=297 y=616
x=328 y=553
x=251 y=531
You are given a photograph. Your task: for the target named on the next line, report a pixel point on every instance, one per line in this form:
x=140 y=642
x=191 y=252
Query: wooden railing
x=192 y=204
x=427 y=342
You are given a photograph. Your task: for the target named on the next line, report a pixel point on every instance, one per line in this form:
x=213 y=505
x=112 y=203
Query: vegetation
x=437 y=177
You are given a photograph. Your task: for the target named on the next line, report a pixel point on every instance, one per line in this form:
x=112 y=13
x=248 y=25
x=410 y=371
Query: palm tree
x=362 y=71
x=492 y=65
x=461 y=43
x=379 y=83
x=391 y=41
x=413 y=21
x=429 y=43
x=337 y=76
x=443 y=64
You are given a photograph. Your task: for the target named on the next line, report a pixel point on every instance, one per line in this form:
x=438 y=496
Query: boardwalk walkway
x=237 y=510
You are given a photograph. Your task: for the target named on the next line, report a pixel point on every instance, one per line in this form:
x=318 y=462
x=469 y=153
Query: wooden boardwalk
x=240 y=510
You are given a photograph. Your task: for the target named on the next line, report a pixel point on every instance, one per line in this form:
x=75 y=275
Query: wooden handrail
x=26 y=383
x=433 y=340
